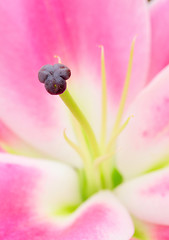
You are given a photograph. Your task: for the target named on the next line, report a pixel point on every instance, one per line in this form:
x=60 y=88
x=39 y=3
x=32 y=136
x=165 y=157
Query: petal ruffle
x=31 y=193
x=147 y=197
x=144 y=142
x=102 y=217
x=33 y=31
x=160 y=35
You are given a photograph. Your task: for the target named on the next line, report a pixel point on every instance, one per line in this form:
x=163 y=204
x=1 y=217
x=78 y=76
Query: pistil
x=100 y=169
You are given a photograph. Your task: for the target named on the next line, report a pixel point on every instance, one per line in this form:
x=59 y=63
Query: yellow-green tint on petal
x=162 y=163
x=141 y=230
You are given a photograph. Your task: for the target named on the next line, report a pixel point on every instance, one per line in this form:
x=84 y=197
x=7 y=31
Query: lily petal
x=144 y=143
x=2 y=150
x=31 y=194
x=103 y=26
x=147 y=197
x=11 y=143
x=102 y=217
x=159 y=232
x=160 y=35
x=27 y=109
x=52 y=182
x=38 y=30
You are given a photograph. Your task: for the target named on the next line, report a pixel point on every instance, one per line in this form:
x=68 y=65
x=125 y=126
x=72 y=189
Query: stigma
x=54 y=77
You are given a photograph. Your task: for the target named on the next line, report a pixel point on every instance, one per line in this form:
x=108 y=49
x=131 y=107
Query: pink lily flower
x=119 y=190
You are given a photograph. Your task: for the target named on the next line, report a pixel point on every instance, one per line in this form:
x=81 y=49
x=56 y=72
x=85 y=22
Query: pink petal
x=2 y=150
x=113 y=24
x=144 y=142
x=160 y=34
x=160 y=232
x=102 y=217
x=10 y=142
x=32 y=32
x=147 y=197
x=31 y=193
x=27 y=109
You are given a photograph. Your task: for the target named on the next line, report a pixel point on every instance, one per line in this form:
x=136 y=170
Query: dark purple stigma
x=54 y=77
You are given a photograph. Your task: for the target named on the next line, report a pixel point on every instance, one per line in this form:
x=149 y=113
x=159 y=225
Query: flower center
x=100 y=170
